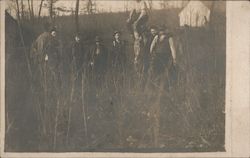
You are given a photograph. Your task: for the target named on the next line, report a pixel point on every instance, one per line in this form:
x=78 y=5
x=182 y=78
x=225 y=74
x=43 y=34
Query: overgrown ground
x=122 y=114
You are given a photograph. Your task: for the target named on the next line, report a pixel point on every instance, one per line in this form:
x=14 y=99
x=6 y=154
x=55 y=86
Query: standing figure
x=152 y=32
x=37 y=52
x=137 y=25
x=98 y=60
x=163 y=54
x=77 y=63
x=52 y=68
x=78 y=55
x=118 y=53
x=45 y=56
x=53 y=56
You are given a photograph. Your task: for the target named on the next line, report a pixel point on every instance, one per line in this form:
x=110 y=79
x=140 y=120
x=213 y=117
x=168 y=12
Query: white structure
x=195 y=14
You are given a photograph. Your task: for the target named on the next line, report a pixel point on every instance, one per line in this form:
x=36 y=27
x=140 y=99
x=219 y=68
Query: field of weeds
x=123 y=111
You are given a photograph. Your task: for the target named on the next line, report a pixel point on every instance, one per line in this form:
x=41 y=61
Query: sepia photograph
x=134 y=76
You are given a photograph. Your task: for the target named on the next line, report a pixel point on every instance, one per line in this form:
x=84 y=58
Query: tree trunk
x=126 y=6
x=89 y=7
x=212 y=12
x=150 y=3
x=18 y=11
x=30 y=13
x=40 y=8
x=32 y=9
x=163 y=5
x=76 y=16
x=51 y=10
x=22 y=9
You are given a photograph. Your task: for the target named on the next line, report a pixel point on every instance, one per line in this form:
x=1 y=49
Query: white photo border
x=237 y=109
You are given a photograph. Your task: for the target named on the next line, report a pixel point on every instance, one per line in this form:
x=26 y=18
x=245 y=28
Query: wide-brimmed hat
x=97 y=39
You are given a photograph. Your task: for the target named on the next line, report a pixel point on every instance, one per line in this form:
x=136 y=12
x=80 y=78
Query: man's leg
x=130 y=27
x=139 y=26
x=139 y=43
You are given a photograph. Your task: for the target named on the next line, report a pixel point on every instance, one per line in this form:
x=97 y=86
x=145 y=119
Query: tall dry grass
x=75 y=111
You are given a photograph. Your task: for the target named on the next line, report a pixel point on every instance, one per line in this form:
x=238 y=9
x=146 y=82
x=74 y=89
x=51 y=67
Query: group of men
x=96 y=59
x=154 y=50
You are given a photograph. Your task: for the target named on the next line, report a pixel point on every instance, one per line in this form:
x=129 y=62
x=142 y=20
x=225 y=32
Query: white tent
x=195 y=14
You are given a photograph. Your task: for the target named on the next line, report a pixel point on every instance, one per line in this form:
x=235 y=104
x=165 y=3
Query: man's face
x=77 y=39
x=153 y=31
x=117 y=36
x=53 y=33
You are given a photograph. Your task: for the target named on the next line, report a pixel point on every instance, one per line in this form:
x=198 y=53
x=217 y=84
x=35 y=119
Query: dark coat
x=118 y=54
x=78 y=55
x=54 y=56
x=162 y=57
x=39 y=47
x=44 y=45
x=98 y=62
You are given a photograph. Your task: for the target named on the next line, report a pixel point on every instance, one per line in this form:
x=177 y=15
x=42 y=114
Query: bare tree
x=32 y=8
x=40 y=8
x=90 y=7
x=51 y=8
x=30 y=13
x=76 y=16
x=125 y=6
x=18 y=10
x=20 y=31
x=212 y=9
x=50 y=5
x=22 y=9
x=150 y=3
x=163 y=4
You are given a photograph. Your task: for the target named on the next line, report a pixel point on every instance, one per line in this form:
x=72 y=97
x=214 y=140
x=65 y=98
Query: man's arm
x=173 y=51
x=153 y=44
x=130 y=15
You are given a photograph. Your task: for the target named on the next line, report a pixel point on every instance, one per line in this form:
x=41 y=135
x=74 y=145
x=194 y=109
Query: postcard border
x=233 y=142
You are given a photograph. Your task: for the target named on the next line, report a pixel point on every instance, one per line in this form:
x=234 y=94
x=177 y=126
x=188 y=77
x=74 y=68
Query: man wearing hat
x=78 y=54
x=98 y=57
x=118 y=52
x=46 y=63
x=77 y=64
x=52 y=55
x=44 y=52
x=40 y=45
